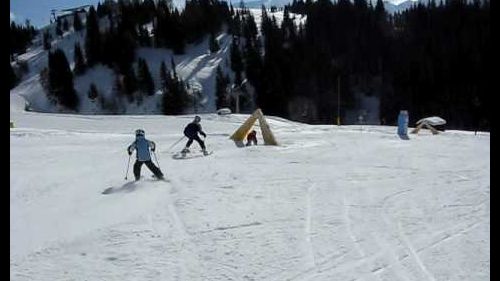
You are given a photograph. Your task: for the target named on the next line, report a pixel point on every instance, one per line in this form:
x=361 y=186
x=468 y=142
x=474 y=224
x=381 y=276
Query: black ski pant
x=137 y=169
x=196 y=138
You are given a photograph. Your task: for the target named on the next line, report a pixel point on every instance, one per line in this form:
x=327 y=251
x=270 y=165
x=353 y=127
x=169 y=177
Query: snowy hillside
x=401 y=5
x=196 y=65
x=329 y=203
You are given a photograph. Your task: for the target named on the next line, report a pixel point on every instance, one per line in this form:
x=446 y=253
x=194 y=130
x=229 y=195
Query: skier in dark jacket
x=142 y=146
x=191 y=132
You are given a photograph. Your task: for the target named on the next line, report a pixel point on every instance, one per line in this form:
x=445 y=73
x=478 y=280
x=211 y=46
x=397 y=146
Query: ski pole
x=172 y=146
x=156 y=157
x=128 y=164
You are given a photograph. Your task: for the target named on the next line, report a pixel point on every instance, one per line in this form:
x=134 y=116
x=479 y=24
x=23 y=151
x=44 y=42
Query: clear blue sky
x=38 y=11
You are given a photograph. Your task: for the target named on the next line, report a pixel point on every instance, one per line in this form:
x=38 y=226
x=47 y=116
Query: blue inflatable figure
x=403 y=124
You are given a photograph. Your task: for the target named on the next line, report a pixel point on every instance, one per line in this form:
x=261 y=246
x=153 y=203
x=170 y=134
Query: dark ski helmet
x=139 y=132
x=197 y=119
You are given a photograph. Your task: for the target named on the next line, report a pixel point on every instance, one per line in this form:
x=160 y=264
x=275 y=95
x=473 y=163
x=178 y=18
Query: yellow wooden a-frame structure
x=240 y=134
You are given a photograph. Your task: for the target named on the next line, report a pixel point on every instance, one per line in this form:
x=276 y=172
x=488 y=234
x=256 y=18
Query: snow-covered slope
x=394 y=7
x=297 y=18
x=197 y=64
x=329 y=203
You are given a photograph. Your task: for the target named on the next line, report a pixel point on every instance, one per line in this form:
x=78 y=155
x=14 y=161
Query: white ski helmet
x=197 y=119
x=139 y=132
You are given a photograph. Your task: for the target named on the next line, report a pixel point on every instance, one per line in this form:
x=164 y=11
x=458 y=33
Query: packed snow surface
x=328 y=203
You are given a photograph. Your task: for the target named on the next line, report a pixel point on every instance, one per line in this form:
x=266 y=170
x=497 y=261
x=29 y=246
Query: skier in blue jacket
x=142 y=146
x=191 y=132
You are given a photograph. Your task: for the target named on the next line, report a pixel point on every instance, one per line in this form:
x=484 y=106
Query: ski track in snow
x=308 y=228
x=230 y=217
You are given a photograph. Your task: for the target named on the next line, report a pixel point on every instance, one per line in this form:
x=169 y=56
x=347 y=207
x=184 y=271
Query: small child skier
x=142 y=146
x=252 y=138
x=191 y=132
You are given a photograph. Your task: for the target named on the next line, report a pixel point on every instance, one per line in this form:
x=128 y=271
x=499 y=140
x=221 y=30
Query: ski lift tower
x=53 y=17
x=194 y=90
x=54 y=13
x=236 y=91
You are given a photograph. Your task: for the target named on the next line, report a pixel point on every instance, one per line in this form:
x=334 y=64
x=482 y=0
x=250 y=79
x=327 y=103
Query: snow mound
x=434 y=121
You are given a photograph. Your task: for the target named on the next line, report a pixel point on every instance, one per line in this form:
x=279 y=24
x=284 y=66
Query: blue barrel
x=403 y=123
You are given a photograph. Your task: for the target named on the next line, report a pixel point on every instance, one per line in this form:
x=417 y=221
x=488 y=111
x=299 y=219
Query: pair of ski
x=189 y=155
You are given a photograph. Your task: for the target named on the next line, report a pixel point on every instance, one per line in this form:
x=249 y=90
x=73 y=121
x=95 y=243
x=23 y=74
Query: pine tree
x=164 y=76
x=117 y=89
x=93 y=40
x=149 y=83
x=65 y=25
x=144 y=39
x=92 y=94
x=253 y=64
x=172 y=65
x=77 y=22
x=236 y=61
x=113 y=104
x=100 y=10
x=174 y=96
x=380 y=10
x=221 y=83
x=213 y=43
x=178 y=41
x=46 y=40
x=20 y=37
x=235 y=25
x=61 y=87
x=249 y=28
x=13 y=78
x=168 y=105
x=125 y=39
x=144 y=80
x=180 y=95
x=80 y=65
x=129 y=84
x=59 y=31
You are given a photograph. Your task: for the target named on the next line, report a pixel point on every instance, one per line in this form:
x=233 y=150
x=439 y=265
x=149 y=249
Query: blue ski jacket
x=142 y=145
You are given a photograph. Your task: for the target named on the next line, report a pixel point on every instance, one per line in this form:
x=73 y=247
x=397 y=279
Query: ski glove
x=203 y=134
